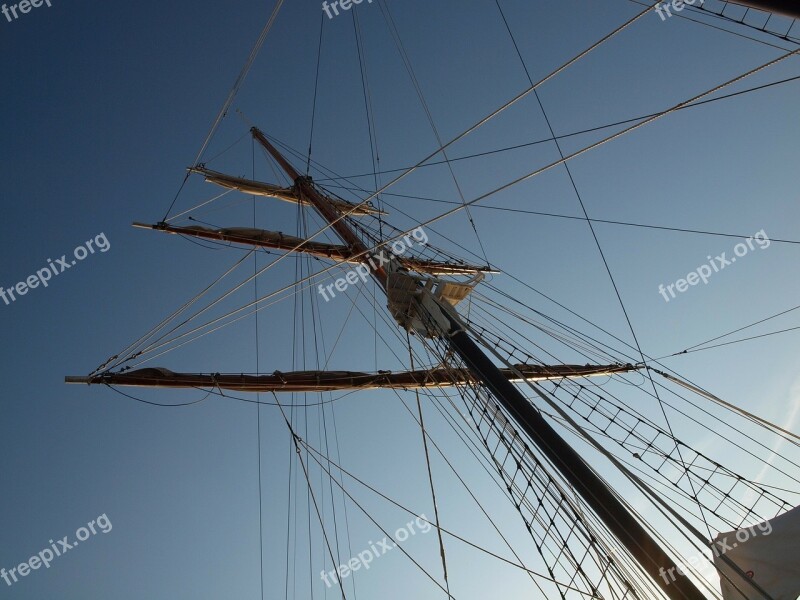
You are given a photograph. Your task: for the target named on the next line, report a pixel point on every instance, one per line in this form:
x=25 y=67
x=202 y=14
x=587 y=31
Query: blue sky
x=106 y=104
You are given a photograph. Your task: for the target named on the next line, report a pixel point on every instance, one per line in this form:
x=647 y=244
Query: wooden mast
x=594 y=491
x=323 y=206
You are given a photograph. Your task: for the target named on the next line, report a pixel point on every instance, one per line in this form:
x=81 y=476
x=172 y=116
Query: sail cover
x=768 y=553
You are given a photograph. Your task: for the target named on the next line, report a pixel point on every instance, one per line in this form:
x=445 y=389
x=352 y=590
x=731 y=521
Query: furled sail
x=282 y=241
x=326 y=381
x=260 y=188
x=767 y=554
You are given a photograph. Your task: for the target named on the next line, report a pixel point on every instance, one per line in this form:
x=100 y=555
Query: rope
x=458 y=431
x=430 y=472
x=602 y=256
x=372 y=131
x=314 y=452
x=311 y=452
x=609 y=138
x=316 y=87
x=514 y=331
x=567 y=135
x=418 y=88
x=513 y=101
x=606 y=221
x=159 y=404
x=231 y=95
x=163 y=323
x=619 y=134
x=728 y=405
x=719 y=337
x=295 y=439
x=747 y=339
x=657 y=501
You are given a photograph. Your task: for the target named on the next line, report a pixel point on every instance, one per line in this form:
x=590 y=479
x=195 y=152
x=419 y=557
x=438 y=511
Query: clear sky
x=104 y=105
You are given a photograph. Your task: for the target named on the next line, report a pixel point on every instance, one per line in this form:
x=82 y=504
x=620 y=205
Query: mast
x=594 y=491
x=323 y=206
